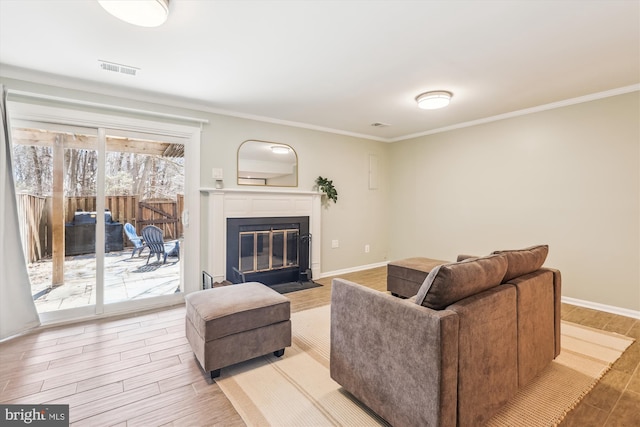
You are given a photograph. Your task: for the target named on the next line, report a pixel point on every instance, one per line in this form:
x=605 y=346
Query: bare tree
x=127 y=173
x=37 y=170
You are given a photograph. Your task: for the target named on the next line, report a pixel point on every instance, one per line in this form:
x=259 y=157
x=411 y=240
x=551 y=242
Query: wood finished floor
x=139 y=370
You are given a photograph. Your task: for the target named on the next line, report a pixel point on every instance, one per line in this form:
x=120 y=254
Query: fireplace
x=223 y=204
x=270 y=250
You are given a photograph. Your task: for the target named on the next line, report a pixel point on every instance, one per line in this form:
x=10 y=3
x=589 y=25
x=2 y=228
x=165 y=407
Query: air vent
x=380 y=125
x=109 y=67
x=118 y=68
x=127 y=70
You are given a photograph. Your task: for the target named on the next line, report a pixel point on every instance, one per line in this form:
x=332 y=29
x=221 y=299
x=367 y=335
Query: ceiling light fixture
x=434 y=100
x=145 y=13
x=279 y=149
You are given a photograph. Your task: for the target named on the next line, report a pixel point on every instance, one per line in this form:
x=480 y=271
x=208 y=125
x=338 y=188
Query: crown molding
x=524 y=112
x=11 y=72
x=16 y=73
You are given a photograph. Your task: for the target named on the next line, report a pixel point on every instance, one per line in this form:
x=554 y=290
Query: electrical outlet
x=366 y=249
x=335 y=244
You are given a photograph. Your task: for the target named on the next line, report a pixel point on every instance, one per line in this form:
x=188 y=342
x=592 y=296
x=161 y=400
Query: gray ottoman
x=405 y=276
x=234 y=323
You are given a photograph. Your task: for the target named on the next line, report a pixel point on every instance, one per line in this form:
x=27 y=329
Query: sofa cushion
x=450 y=283
x=524 y=261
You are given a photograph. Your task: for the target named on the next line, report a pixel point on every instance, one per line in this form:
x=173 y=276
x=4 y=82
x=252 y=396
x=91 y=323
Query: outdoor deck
x=126 y=278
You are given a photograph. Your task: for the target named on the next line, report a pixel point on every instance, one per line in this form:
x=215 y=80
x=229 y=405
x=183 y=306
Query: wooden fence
x=35 y=217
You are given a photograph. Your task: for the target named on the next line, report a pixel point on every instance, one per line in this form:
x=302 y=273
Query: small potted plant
x=326 y=186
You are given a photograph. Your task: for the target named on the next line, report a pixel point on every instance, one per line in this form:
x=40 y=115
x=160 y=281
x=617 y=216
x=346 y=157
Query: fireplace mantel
x=226 y=203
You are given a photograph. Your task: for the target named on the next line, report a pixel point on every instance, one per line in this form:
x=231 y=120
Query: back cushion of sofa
x=524 y=261
x=450 y=283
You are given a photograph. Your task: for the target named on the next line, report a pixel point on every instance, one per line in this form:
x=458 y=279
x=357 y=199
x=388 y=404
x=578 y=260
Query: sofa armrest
x=557 y=301
x=397 y=357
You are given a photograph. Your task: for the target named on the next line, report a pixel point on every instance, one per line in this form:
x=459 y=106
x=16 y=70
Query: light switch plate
x=216 y=173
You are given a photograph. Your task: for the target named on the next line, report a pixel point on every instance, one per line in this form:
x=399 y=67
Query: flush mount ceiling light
x=434 y=100
x=279 y=149
x=145 y=13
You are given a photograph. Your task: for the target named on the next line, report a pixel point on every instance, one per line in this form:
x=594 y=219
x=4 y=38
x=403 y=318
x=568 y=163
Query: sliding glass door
x=93 y=200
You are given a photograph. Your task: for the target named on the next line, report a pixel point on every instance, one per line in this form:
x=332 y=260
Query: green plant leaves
x=326 y=186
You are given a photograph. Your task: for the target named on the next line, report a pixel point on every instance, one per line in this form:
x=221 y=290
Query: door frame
x=124 y=122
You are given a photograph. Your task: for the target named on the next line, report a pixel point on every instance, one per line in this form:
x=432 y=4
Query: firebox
x=270 y=250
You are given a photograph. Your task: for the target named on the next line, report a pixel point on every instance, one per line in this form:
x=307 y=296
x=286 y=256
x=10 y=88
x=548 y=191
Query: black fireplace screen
x=270 y=250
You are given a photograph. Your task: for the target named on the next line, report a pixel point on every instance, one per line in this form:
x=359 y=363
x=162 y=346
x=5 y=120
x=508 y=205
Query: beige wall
x=568 y=177
x=361 y=215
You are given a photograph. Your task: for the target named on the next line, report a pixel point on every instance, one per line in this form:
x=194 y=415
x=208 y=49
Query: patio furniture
x=80 y=234
x=152 y=236
x=138 y=244
x=175 y=252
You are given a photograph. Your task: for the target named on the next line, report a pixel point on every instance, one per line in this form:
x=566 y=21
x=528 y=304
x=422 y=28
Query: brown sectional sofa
x=474 y=333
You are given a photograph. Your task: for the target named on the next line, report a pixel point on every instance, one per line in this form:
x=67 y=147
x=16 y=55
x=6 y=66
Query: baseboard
x=352 y=269
x=602 y=307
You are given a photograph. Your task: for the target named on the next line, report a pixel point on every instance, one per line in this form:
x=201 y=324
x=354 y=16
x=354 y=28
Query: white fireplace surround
x=226 y=203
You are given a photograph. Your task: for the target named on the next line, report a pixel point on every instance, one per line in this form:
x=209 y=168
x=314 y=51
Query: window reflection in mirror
x=267 y=163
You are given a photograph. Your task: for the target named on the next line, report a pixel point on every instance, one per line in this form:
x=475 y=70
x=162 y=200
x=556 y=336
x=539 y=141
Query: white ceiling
x=335 y=65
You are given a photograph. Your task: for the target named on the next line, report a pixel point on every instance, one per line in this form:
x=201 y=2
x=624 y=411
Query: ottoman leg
x=215 y=374
x=279 y=353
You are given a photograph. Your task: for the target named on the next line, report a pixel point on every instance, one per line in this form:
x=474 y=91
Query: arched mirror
x=267 y=163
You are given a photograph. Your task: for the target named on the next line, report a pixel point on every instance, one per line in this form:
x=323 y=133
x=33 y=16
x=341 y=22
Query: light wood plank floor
x=139 y=369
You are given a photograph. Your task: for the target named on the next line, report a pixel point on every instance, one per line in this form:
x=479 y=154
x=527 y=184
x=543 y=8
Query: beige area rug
x=296 y=390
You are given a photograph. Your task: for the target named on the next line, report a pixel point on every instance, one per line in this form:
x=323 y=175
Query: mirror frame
x=256 y=181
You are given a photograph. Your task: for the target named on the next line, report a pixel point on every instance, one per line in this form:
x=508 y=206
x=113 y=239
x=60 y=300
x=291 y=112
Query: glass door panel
x=144 y=189
x=263 y=251
x=277 y=260
x=55 y=174
x=292 y=248
x=247 y=252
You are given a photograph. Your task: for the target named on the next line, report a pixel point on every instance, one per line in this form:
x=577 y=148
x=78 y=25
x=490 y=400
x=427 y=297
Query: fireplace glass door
x=266 y=250
x=269 y=250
